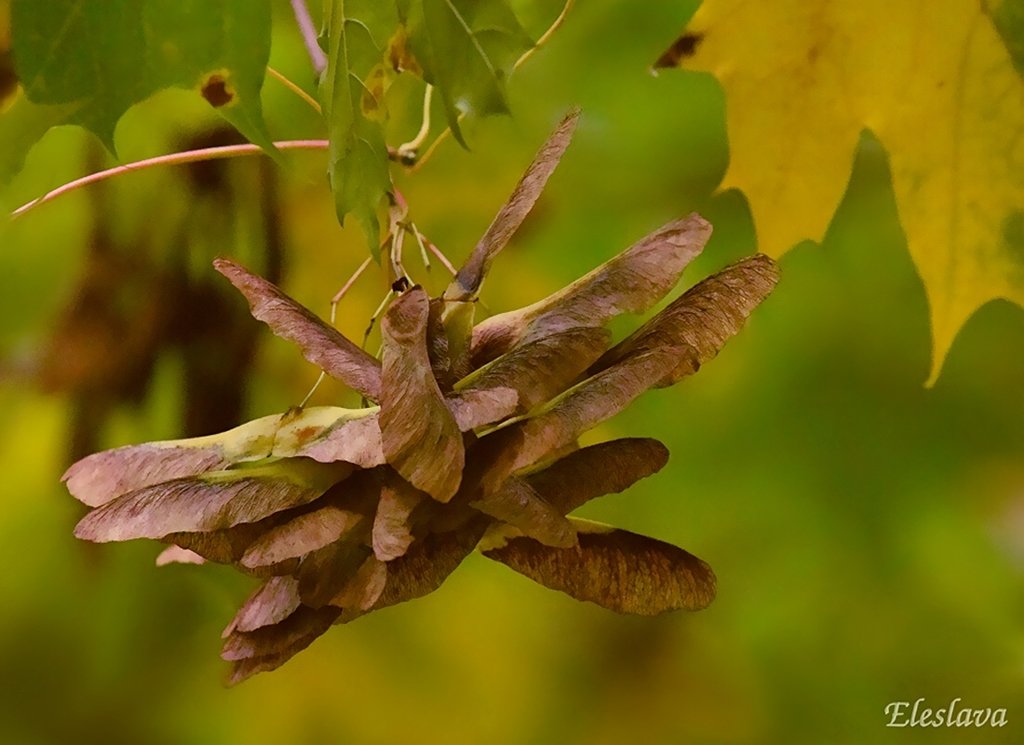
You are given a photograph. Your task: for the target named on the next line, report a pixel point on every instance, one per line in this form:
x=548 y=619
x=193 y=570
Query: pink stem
x=189 y=156
x=309 y=35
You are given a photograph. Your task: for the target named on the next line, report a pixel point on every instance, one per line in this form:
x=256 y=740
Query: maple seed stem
x=187 y=156
x=407 y=151
x=309 y=35
x=546 y=36
x=347 y=286
x=334 y=315
x=375 y=316
x=294 y=88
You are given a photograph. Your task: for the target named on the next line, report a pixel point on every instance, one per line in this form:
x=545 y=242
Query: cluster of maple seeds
x=472 y=445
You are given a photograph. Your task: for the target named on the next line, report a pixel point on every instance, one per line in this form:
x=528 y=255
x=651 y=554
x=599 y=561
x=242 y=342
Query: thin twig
x=347 y=286
x=397 y=214
x=544 y=39
x=188 y=156
x=432 y=247
x=309 y=35
x=424 y=256
x=375 y=316
x=334 y=314
x=294 y=88
x=319 y=379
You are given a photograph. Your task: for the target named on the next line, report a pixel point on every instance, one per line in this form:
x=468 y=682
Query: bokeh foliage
x=866 y=531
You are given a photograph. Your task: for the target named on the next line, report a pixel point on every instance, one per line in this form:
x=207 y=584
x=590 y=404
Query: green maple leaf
x=100 y=57
x=467 y=49
x=358 y=157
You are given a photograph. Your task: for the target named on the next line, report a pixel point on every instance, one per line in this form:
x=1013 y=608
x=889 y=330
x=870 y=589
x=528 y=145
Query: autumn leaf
x=937 y=86
x=219 y=49
x=21 y=126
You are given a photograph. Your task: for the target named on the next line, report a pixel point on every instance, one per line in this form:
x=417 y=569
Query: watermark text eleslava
x=917 y=714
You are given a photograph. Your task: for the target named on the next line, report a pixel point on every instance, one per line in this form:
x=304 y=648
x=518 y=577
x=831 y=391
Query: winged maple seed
x=472 y=444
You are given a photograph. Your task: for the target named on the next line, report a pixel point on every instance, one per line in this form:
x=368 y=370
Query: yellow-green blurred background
x=867 y=533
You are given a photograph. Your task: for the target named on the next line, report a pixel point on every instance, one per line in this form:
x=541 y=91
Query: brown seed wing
x=704 y=317
x=540 y=369
x=102 y=477
x=392 y=524
x=631 y=282
x=477 y=408
x=512 y=214
x=213 y=501
x=606 y=468
x=420 y=436
x=269 y=647
x=271 y=603
x=518 y=504
x=302 y=535
x=587 y=404
x=321 y=344
x=616 y=569
x=429 y=562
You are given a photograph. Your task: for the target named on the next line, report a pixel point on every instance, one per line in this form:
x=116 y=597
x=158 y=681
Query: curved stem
x=294 y=88
x=188 y=156
x=546 y=36
x=408 y=150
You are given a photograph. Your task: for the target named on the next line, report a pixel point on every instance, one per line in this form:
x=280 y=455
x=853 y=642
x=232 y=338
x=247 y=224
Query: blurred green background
x=867 y=533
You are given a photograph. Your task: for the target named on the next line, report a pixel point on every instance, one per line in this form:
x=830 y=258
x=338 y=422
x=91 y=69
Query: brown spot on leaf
x=305 y=434
x=8 y=77
x=683 y=47
x=216 y=90
x=400 y=56
x=375 y=87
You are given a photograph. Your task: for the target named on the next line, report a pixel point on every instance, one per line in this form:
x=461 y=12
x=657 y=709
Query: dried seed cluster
x=472 y=444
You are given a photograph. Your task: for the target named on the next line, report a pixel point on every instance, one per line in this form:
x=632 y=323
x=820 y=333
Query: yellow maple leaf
x=935 y=84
